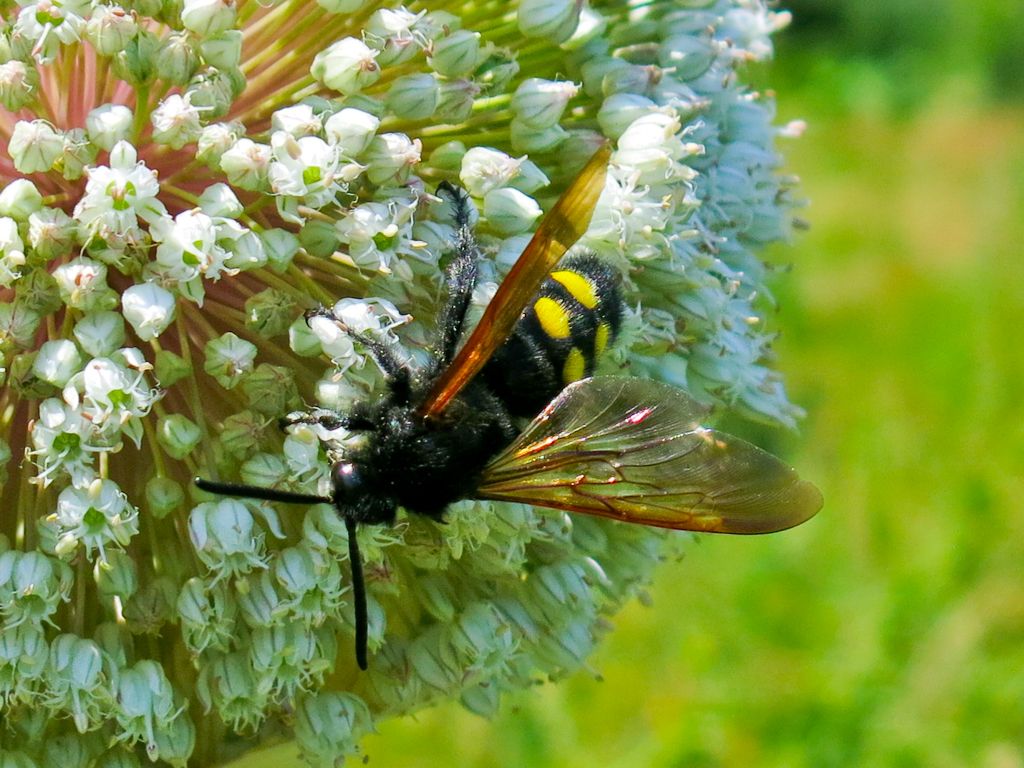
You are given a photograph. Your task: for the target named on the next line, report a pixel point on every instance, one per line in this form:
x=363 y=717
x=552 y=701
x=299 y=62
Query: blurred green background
x=888 y=631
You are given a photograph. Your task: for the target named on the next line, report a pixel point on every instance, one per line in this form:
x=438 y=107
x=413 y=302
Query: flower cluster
x=181 y=182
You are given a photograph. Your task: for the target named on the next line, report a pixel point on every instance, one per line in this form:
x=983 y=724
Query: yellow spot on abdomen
x=554 y=320
x=575 y=366
x=601 y=338
x=578 y=286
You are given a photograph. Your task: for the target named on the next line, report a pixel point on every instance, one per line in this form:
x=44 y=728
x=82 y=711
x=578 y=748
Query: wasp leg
x=460 y=276
x=326 y=419
x=394 y=368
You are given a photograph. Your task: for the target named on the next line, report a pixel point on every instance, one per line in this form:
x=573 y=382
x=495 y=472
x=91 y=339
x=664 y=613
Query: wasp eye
x=347 y=480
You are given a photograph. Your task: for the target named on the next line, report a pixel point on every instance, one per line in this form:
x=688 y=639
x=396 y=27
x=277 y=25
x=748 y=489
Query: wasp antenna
x=255 y=492
x=358 y=592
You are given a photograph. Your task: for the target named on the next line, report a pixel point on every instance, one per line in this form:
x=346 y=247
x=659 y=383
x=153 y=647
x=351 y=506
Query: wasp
x=625 y=448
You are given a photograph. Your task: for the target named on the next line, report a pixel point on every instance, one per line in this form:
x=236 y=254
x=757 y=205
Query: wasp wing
x=558 y=231
x=633 y=449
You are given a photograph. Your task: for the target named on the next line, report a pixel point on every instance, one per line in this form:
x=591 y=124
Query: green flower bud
x=57 y=361
x=329 y=726
x=413 y=97
x=228 y=359
x=455 y=100
x=99 y=333
x=117 y=757
x=535 y=140
x=456 y=54
x=280 y=247
x=163 y=496
x=109 y=29
x=208 y=614
x=319 y=238
x=178 y=435
x=271 y=390
x=151 y=608
x=19 y=83
x=38 y=292
x=555 y=20
x=179 y=60
x=170 y=368
x=116 y=576
x=223 y=51
x=34 y=146
x=71 y=750
x=689 y=56
x=348 y=66
x=77 y=154
x=225 y=537
x=509 y=211
x=207 y=17
x=15 y=759
x=19 y=199
x=51 y=233
x=242 y=434
x=136 y=62
x=540 y=103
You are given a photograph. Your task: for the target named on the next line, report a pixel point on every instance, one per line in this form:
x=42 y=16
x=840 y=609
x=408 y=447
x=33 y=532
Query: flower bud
x=390 y=158
x=163 y=496
x=110 y=28
x=509 y=211
x=228 y=359
x=223 y=51
x=456 y=54
x=225 y=537
x=216 y=139
x=620 y=110
x=351 y=130
x=413 y=97
x=555 y=20
x=99 y=333
x=116 y=576
x=485 y=169
x=271 y=390
x=208 y=17
x=455 y=100
x=78 y=153
x=19 y=199
x=348 y=66
x=34 y=146
x=280 y=246
x=330 y=725
x=148 y=308
x=171 y=368
x=51 y=233
x=176 y=121
x=57 y=361
x=246 y=164
x=689 y=56
x=535 y=140
x=178 y=435
x=540 y=103
x=136 y=63
x=19 y=83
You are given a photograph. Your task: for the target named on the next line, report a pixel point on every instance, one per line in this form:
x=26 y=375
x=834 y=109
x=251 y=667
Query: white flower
x=108 y=124
x=117 y=196
x=95 y=516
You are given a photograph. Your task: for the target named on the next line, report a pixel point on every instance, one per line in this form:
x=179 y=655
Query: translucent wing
x=633 y=450
x=558 y=231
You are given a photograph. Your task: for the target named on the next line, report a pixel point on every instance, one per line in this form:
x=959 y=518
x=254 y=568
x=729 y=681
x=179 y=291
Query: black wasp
x=626 y=448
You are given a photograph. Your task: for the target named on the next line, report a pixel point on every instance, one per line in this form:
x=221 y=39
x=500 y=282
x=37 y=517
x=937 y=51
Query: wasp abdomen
x=561 y=333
